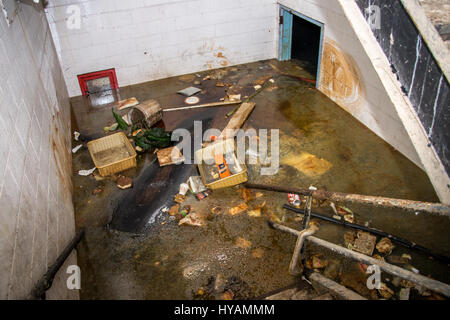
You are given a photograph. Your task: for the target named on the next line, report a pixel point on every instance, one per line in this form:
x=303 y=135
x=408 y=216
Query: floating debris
x=86 y=172
x=256 y=213
x=193 y=219
x=75 y=150
x=97 y=191
x=179 y=198
x=385 y=246
x=317 y=261
x=174 y=210
x=364 y=243
x=385 y=291
x=238 y=209
x=189 y=91
x=123 y=104
x=124 y=182
x=246 y=194
x=242 y=243
x=258 y=253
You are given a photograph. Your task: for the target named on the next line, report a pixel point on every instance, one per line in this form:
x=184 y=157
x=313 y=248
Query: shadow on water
x=155 y=187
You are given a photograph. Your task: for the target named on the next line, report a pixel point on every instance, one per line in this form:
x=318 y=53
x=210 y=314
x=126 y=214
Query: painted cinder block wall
x=348 y=77
x=153 y=39
x=36 y=216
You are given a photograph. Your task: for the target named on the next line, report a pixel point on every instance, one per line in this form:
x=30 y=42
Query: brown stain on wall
x=61 y=156
x=340 y=78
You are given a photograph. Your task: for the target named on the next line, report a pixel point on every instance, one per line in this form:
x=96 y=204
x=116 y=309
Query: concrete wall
x=36 y=216
x=348 y=77
x=153 y=39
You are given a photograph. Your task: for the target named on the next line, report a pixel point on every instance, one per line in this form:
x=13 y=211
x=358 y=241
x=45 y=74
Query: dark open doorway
x=301 y=39
x=305 y=44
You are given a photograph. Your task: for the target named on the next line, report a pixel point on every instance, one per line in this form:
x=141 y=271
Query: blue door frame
x=285 y=41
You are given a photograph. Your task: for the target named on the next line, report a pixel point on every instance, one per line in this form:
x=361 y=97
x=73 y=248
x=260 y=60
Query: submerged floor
x=320 y=145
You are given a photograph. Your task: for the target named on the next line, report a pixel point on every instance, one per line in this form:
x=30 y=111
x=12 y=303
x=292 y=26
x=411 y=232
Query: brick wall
x=348 y=77
x=37 y=219
x=153 y=39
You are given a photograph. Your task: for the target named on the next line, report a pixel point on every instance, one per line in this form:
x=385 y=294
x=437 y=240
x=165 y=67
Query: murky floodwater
x=320 y=145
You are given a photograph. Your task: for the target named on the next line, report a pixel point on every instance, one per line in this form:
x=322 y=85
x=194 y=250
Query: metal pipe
x=382 y=202
x=47 y=280
x=428 y=283
x=395 y=239
x=298 y=248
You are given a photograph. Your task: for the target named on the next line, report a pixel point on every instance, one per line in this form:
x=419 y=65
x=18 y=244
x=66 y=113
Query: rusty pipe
x=423 y=281
x=298 y=247
x=382 y=202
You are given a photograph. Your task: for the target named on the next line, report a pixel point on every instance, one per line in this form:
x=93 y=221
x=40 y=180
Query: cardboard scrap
x=169 y=156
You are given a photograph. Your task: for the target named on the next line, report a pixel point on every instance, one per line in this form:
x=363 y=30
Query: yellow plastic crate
x=112 y=154
x=207 y=154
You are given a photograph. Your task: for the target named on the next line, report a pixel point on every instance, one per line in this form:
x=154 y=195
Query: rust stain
x=340 y=78
x=61 y=156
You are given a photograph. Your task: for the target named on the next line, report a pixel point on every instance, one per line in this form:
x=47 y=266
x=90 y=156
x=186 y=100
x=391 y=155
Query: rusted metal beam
x=428 y=283
x=382 y=202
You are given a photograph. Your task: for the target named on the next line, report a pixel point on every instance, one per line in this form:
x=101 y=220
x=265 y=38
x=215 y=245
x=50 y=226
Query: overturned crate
x=112 y=154
x=205 y=159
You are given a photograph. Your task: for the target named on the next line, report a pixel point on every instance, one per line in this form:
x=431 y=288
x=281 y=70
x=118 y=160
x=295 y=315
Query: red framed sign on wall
x=108 y=73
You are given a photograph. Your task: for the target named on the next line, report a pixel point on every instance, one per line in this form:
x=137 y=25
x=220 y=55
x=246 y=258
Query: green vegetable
x=122 y=124
x=154 y=137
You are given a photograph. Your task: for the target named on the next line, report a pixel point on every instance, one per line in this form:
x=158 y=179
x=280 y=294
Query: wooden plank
x=237 y=121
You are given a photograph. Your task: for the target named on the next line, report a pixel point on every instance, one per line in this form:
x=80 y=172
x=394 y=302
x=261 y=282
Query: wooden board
x=238 y=120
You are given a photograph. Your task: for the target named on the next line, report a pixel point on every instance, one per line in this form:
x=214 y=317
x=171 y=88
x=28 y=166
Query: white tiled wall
x=376 y=111
x=36 y=216
x=152 y=39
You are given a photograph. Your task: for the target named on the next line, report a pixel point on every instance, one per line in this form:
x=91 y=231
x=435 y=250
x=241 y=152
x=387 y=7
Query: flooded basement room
x=206 y=150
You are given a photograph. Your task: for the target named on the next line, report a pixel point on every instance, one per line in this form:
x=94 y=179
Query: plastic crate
x=207 y=153
x=112 y=154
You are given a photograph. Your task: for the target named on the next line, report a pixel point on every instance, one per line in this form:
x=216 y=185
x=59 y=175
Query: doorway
x=301 y=39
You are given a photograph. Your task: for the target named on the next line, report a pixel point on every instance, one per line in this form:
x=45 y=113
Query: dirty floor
x=135 y=250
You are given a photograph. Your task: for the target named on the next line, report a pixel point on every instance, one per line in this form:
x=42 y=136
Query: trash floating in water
x=76 y=135
x=189 y=91
x=256 y=213
x=179 y=198
x=123 y=104
x=184 y=187
x=174 y=210
x=385 y=246
x=203 y=195
x=196 y=184
x=124 y=182
x=86 y=172
x=317 y=261
x=192 y=100
x=243 y=243
x=111 y=128
x=258 y=253
x=364 y=243
x=75 y=150
x=238 y=209
x=294 y=199
x=193 y=219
